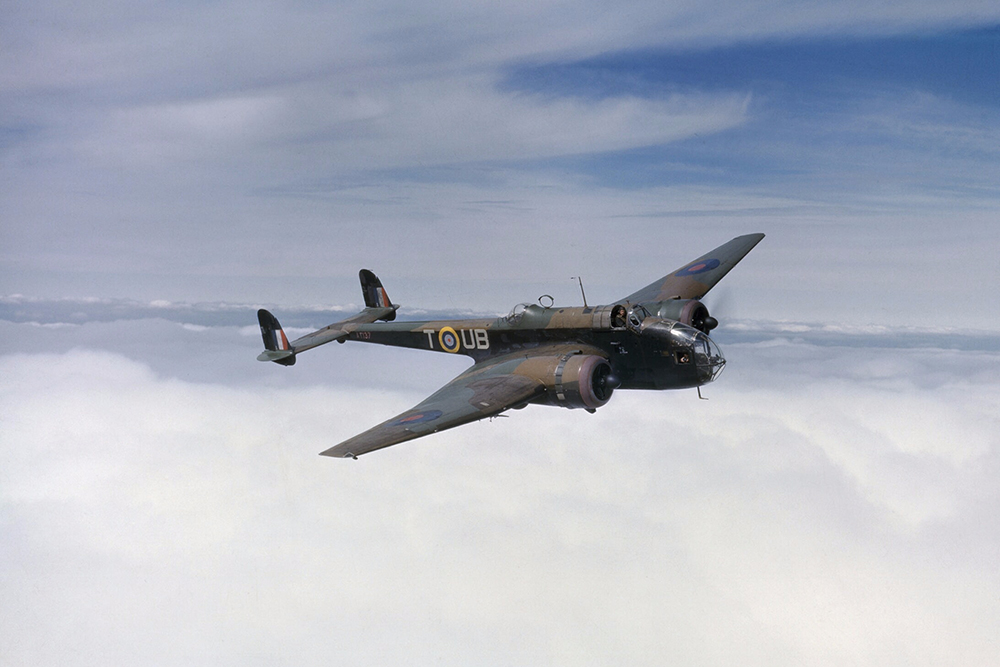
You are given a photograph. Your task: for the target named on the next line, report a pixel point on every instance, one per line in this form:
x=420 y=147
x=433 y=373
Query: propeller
x=605 y=382
x=722 y=303
x=702 y=321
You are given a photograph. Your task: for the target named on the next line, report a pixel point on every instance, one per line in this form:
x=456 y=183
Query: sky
x=167 y=168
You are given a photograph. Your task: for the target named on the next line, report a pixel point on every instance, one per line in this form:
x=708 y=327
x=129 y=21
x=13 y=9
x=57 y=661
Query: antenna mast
x=580 y=280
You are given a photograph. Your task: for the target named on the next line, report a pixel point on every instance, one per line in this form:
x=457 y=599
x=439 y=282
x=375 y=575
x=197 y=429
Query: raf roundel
x=418 y=418
x=448 y=339
x=698 y=267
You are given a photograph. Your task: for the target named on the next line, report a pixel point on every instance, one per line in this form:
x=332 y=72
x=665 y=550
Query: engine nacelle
x=691 y=312
x=579 y=381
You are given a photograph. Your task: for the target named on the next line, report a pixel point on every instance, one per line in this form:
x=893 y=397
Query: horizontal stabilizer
x=274 y=355
x=279 y=350
x=339 y=330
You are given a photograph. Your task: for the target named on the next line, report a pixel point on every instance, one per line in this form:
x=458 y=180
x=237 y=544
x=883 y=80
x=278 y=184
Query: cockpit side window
x=618 y=317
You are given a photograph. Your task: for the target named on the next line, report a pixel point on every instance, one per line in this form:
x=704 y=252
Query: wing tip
x=754 y=238
x=334 y=454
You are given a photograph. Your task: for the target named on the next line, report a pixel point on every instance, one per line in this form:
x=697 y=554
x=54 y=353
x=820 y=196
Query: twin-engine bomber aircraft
x=656 y=338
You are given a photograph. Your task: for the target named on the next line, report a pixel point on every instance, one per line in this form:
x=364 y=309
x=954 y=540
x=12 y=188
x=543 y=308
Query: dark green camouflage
x=574 y=357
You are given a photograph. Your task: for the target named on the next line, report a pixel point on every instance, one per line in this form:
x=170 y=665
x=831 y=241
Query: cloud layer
x=827 y=504
x=161 y=500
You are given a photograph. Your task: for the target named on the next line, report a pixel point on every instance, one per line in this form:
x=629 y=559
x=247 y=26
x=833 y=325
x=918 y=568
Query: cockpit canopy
x=636 y=316
x=516 y=313
x=524 y=314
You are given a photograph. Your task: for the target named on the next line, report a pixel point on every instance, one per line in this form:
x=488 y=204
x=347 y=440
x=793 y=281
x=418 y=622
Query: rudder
x=374 y=294
x=276 y=346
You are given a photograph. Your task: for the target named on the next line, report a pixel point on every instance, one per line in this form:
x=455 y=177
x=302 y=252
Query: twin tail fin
x=276 y=346
x=375 y=295
x=279 y=350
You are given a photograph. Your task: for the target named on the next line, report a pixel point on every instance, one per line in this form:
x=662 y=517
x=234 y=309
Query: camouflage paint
x=570 y=357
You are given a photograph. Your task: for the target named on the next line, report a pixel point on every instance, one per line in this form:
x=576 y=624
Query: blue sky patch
x=964 y=66
x=852 y=111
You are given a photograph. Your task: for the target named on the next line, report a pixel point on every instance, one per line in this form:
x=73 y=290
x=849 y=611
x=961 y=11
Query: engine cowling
x=691 y=312
x=580 y=381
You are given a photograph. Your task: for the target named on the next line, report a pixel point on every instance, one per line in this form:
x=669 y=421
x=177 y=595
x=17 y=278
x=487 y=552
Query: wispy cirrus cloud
x=223 y=153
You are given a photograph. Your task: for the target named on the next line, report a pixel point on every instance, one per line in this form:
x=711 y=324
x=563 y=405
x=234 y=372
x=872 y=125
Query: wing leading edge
x=488 y=388
x=694 y=279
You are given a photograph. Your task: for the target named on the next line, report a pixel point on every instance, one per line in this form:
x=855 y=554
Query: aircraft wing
x=694 y=279
x=486 y=389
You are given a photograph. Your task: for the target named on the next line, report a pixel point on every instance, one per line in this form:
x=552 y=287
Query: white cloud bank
x=826 y=506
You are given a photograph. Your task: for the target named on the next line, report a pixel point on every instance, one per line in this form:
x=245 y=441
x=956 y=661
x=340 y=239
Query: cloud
x=827 y=503
x=318 y=130
x=267 y=153
x=160 y=495
x=186 y=48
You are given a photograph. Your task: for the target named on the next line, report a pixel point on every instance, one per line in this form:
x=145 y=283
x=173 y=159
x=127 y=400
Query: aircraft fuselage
x=655 y=353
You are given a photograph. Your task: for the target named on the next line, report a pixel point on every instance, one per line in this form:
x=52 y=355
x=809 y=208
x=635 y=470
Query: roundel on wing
x=698 y=267
x=417 y=418
x=448 y=339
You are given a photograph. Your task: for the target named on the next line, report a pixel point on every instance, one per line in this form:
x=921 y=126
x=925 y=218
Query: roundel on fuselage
x=448 y=339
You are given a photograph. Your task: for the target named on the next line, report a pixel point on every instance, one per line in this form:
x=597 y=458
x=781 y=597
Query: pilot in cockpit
x=618 y=317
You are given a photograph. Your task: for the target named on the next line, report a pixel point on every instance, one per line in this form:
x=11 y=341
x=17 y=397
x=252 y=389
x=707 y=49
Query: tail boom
x=279 y=350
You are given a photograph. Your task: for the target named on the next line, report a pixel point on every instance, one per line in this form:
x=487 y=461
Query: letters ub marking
x=482 y=339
